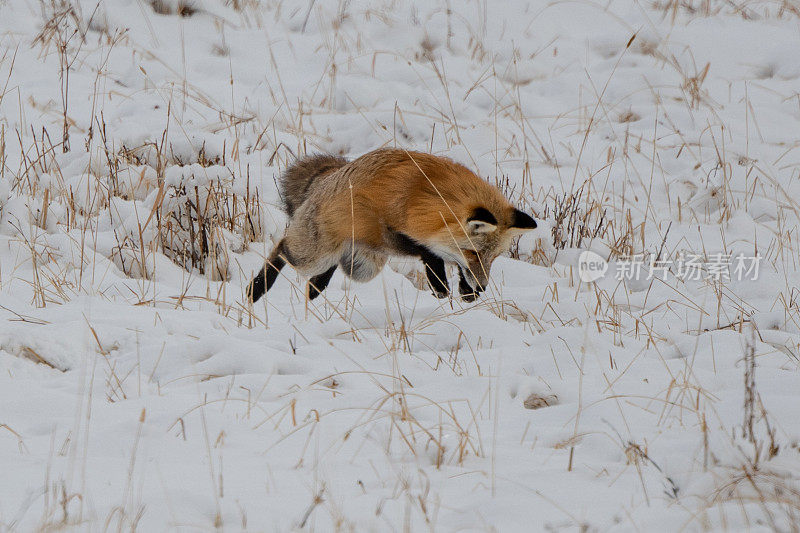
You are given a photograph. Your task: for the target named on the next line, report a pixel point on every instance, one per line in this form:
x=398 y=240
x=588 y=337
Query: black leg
x=437 y=277
x=468 y=294
x=318 y=283
x=434 y=265
x=266 y=276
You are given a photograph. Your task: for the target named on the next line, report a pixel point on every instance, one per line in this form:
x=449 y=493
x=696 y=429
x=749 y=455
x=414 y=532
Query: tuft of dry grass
x=198 y=226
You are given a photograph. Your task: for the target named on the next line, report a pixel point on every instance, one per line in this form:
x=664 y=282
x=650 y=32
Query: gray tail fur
x=296 y=180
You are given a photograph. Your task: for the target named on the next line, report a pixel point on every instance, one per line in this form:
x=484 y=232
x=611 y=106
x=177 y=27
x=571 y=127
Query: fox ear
x=481 y=221
x=522 y=222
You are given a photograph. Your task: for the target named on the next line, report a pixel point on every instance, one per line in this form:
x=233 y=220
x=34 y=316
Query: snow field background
x=140 y=141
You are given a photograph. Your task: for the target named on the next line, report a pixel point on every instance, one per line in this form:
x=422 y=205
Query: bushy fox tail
x=296 y=180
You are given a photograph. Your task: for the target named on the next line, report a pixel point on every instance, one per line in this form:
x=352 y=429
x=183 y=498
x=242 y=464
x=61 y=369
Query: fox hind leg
x=318 y=283
x=306 y=247
x=266 y=277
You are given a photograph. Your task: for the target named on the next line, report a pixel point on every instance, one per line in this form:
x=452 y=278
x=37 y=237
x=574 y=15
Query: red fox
x=390 y=202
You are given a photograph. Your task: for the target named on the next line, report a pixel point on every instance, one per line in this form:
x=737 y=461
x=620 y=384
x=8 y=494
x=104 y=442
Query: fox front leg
x=468 y=294
x=437 y=276
x=434 y=265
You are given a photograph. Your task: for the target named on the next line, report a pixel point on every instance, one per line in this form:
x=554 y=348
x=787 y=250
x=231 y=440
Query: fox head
x=475 y=242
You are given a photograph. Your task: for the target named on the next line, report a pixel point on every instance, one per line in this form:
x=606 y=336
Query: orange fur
x=424 y=196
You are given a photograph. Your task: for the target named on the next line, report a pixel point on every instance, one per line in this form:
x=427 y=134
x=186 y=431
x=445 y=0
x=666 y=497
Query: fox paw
x=312 y=292
x=470 y=296
x=441 y=294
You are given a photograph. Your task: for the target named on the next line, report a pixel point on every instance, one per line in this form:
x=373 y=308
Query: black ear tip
x=523 y=220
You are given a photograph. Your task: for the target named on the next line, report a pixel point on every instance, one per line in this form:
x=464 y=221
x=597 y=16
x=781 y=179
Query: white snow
x=139 y=391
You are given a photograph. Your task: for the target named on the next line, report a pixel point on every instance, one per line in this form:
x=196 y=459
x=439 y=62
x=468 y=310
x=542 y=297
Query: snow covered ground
x=139 y=145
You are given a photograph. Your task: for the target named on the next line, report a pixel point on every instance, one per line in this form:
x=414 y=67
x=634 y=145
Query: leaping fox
x=356 y=214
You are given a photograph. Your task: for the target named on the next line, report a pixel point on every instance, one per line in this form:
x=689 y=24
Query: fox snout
x=476 y=271
x=478 y=283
